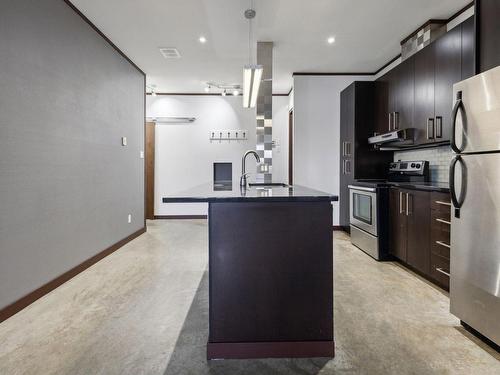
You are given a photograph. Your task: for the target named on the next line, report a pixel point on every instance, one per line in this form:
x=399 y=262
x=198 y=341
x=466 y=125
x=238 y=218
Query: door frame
x=290 y=147
x=149 y=168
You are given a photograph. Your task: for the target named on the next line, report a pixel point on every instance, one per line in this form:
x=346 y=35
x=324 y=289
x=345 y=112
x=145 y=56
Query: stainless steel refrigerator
x=475 y=194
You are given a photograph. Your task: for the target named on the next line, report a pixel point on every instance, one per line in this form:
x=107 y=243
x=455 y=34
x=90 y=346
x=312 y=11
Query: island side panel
x=271 y=277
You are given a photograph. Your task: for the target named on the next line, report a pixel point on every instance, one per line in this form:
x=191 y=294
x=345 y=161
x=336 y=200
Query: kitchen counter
x=233 y=193
x=442 y=187
x=270 y=270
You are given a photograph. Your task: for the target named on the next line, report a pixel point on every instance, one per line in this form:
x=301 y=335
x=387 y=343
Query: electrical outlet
x=129 y=219
x=124 y=141
x=141 y=155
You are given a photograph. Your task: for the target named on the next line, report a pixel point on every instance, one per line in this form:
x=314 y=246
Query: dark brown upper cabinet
x=488 y=34
x=468 y=63
x=418 y=93
x=448 y=71
x=424 y=95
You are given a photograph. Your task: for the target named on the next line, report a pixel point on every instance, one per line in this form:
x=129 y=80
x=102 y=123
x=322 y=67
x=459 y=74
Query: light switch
x=124 y=141
x=129 y=218
x=142 y=154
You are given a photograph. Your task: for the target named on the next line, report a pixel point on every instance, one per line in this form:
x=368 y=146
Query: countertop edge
x=411 y=186
x=332 y=198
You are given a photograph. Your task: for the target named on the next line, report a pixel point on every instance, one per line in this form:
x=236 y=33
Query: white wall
x=316 y=109
x=185 y=155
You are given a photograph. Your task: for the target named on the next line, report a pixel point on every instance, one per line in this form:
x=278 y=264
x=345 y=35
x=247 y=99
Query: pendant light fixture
x=252 y=73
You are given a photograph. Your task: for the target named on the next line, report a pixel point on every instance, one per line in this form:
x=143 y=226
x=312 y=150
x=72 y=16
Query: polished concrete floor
x=144 y=310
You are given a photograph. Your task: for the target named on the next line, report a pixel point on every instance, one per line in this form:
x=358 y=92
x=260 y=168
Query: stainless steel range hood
x=397 y=138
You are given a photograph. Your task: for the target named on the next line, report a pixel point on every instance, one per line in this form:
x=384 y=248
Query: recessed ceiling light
x=331 y=40
x=202 y=39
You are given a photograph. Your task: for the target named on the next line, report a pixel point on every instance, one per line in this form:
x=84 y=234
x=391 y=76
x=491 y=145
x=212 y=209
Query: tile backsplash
x=439 y=160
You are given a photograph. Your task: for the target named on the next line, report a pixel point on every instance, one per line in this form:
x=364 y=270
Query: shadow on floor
x=189 y=355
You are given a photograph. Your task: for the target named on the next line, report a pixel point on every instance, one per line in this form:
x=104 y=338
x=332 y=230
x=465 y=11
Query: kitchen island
x=270 y=270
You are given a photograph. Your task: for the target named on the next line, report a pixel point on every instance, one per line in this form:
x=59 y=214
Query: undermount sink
x=275 y=184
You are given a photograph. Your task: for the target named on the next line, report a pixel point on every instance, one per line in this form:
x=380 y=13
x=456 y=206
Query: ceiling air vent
x=170 y=53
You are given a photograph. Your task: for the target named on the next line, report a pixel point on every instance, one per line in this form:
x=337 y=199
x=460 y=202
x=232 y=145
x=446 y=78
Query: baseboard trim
x=27 y=300
x=338 y=228
x=280 y=349
x=179 y=217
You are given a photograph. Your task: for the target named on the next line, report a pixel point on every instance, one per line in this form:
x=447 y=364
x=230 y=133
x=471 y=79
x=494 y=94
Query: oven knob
x=393 y=165
x=418 y=166
x=413 y=165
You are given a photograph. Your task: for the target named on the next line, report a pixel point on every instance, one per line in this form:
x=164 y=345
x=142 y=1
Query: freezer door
x=476 y=113
x=475 y=243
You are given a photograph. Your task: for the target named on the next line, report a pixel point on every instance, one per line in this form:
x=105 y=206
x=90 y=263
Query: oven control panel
x=410 y=167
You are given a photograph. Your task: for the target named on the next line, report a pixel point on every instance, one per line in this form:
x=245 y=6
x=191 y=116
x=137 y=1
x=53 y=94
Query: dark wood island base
x=270 y=280
x=270 y=270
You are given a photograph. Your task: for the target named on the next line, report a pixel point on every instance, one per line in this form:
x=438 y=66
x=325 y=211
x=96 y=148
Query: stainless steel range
x=369 y=206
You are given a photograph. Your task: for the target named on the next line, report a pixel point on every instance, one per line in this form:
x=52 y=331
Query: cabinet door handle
x=348 y=169
x=430 y=128
x=401 y=209
x=443 y=221
x=439 y=127
x=443 y=271
x=443 y=244
x=343 y=148
x=390 y=121
x=347 y=149
x=396 y=120
x=408 y=202
x=343 y=167
x=443 y=203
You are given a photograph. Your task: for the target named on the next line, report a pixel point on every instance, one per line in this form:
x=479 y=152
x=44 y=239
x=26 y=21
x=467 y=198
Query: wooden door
x=150 y=170
x=448 y=71
x=424 y=94
x=397 y=224
x=418 y=230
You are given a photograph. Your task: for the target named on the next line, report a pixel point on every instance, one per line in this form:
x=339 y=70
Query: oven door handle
x=362 y=188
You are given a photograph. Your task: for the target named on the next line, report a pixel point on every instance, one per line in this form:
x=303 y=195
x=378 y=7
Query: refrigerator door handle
x=459 y=106
x=457 y=201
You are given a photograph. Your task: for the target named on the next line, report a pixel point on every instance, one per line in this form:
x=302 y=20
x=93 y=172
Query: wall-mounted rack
x=228 y=135
x=172 y=120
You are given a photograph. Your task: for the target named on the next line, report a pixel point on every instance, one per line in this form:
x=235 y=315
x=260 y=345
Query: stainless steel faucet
x=244 y=174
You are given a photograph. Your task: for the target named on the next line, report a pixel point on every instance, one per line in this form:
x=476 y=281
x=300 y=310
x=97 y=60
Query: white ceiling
x=367 y=34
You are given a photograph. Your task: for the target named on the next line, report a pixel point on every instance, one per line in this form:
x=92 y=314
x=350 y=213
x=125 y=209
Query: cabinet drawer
x=440 y=270
x=441 y=247
x=440 y=226
x=441 y=203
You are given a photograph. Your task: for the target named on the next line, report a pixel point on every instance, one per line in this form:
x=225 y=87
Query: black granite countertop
x=413 y=185
x=233 y=193
x=442 y=187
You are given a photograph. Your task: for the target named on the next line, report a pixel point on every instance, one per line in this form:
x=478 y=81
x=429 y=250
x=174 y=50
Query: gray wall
x=66 y=183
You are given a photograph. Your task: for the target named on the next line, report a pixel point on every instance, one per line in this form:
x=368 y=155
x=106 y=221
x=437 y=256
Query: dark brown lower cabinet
x=398 y=224
x=418 y=214
x=440 y=239
x=420 y=232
